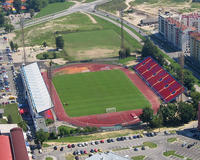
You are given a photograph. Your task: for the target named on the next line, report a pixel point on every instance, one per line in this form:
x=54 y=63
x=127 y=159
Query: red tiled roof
x=5 y=149
x=18 y=144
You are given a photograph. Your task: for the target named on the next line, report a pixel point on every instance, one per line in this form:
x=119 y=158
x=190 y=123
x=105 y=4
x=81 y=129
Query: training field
x=91 y=93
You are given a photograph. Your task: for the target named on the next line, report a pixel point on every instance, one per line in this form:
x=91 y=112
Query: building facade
x=195 y=46
x=175 y=32
x=191 y=20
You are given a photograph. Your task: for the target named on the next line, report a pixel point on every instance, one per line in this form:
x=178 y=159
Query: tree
x=12 y=46
x=45 y=55
x=10 y=120
x=147 y=115
x=17 y=5
x=44 y=44
x=42 y=136
x=23 y=125
x=149 y=49
x=59 y=42
x=2 y=19
x=196 y=99
x=32 y=12
x=54 y=55
x=186 y=112
x=127 y=52
x=9 y=28
x=169 y=114
x=16 y=46
x=188 y=79
x=156 y=121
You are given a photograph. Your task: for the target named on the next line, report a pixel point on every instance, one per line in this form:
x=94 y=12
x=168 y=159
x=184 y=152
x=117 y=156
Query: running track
x=107 y=119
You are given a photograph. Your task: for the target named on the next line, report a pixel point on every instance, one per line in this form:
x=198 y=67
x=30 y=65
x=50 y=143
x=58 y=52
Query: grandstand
x=158 y=79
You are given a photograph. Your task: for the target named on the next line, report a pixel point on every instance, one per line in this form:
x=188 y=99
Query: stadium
x=98 y=94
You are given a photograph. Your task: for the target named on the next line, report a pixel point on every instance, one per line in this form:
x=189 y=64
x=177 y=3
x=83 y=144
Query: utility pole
x=23 y=42
x=122 y=29
x=181 y=62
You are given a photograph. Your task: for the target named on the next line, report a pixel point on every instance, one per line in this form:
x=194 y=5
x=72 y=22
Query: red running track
x=107 y=119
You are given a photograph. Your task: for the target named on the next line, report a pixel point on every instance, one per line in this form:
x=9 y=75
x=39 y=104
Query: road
x=73 y=9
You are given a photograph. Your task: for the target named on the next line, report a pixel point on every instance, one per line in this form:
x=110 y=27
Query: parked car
x=62 y=148
x=55 y=148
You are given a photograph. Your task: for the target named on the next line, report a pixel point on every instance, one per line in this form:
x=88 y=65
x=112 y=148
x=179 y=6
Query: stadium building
x=37 y=95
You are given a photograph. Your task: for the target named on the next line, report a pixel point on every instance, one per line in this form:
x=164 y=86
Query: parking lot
x=7 y=73
x=128 y=148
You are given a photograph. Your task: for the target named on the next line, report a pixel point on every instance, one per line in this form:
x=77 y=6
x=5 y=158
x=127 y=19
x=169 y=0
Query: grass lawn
x=150 y=144
x=48 y=158
x=91 y=93
x=53 y=8
x=172 y=153
x=170 y=140
x=140 y=157
x=83 y=39
x=11 y=109
x=113 y=6
x=96 y=136
x=126 y=60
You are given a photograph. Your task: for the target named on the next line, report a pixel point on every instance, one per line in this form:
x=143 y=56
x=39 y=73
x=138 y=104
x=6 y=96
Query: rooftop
x=5 y=128
x=106 y=156
x=36 y=87
x=5 y=149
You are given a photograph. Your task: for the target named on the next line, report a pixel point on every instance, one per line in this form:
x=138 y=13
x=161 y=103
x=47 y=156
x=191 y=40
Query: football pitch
x=91 y=93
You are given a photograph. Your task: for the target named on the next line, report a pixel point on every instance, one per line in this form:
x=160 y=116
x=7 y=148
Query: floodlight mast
x=23 y=42
x=122 y=29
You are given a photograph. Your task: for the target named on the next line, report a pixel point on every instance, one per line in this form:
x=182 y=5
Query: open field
x=53 y=8
x=12 y=110
x=80 y=44
x=113 y=6
x=91 y=93
x=137 y=2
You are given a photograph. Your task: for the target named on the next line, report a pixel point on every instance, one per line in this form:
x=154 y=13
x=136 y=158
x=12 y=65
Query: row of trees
x=42 y=136
x=124 y=53
x=169 y=115
x=13 y=46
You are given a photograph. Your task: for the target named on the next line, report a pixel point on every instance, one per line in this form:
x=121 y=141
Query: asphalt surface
x=125 y=148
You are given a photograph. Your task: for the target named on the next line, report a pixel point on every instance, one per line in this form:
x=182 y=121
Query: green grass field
x=53 y=8
x=11 y=109
x=83 y=38
x=91 y=93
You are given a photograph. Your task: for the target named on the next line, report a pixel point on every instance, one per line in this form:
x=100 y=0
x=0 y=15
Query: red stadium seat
x=161 y=81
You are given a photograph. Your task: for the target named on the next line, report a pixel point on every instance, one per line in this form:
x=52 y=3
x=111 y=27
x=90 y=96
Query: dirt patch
x=31 y=53
x=94 y=53
x=90 y=17
x=73 y=70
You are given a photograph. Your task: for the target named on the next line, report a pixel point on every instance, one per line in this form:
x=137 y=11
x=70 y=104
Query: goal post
x=110 y=110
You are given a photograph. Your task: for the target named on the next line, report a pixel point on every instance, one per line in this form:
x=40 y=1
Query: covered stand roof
x=37 y=89
x=5 y=149
x=18 y=144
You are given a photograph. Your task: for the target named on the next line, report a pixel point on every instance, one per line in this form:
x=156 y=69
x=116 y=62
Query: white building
x=191 y=20
x=36 y=94
x=175 y=32
x=195 y=46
